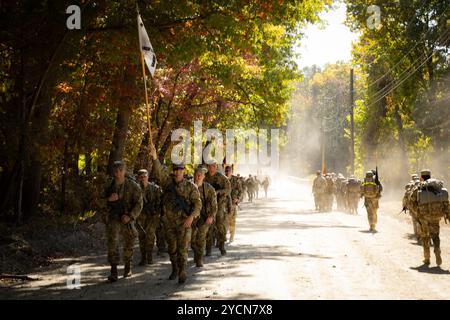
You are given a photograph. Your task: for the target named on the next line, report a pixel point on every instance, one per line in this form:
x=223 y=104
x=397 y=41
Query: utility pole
x=322 y=135
x=352 y=121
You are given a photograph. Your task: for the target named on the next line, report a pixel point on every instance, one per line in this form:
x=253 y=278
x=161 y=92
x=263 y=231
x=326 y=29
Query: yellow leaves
x=86 y=215
x=64 y=87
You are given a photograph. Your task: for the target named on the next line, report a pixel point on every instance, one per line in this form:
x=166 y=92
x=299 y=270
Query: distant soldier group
x=347 y=192
x=251 y=186
x=176 y=209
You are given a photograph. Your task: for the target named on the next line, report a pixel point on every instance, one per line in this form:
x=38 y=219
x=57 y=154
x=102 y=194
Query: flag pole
x=145 y=86
x=146 y=100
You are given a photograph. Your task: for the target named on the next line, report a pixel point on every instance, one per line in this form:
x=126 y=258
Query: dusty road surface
x=283 y=250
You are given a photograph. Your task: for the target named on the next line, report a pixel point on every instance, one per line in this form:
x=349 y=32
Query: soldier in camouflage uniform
x=318 y=190
x=181 y=205
x=330 y=190
x=265 y=184
x=250 y=188
x=340 y=193
x=407 y=205
x=352 y=191
x=201 y=225
x=371 y=192
x=161 y=237
x=123 y=199
x=243 y=187
x=236 y=192
x=430 y=210
x=149 y=219
x=256 y=186
x=223 y=190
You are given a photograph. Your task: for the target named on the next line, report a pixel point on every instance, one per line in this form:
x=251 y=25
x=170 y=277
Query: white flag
x=146 y=47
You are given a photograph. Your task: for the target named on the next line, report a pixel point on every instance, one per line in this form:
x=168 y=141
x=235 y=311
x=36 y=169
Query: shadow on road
x=433 y=270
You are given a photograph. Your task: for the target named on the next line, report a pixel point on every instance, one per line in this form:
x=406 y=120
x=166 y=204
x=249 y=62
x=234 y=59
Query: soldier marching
x=176 y=208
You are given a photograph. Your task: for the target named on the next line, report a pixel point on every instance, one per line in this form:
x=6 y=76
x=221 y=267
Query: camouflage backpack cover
x=432 y=199
x=353 y=186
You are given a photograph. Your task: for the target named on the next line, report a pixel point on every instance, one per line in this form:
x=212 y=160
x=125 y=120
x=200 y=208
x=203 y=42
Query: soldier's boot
x=182 y=275
x=437 y=249
x=174 y=273
x=426 y=255
x=143 y=258
x=232 y=235
x=127 y=270
x=208 y=250
x=222 y=248
x=438 y=257
x=149 y=258
x=114 y=276
x=198 y=260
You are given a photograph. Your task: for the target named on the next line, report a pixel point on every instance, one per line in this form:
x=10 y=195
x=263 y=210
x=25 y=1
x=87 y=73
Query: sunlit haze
x=327 y=44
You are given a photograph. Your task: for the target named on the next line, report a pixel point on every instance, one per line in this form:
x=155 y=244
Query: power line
x=380 y=94
x=410 y=50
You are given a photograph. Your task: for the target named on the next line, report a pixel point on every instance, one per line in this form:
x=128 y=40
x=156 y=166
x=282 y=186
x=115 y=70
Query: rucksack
x=321 y=185
x=353 y=186
x=432 y=198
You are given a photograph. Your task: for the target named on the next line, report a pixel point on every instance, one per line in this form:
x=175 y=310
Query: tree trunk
x=403 y=165
x=123 y=116
x=64 y=178
x=142 y=160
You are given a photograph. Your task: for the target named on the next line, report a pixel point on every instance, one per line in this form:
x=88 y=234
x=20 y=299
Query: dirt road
x=283 y=250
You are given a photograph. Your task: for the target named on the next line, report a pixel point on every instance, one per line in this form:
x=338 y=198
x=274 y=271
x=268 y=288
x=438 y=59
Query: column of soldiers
x=328 y=188
x=347 y=192
x=178 y=210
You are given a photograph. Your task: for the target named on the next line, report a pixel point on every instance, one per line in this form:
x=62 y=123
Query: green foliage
x=406 y=68
x=228 y=63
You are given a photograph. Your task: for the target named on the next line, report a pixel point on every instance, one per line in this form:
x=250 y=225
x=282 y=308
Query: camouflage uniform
x=250 y=188
x=223 y=190
x=236 y=192
x=352 y=191
x=329 y=193
x=177 y=235
x=371 y=192
x=318 y=190
x=256 y=186
x=265 y=184
x=429 y=216
x=131 y=196
x=149 y=221
x=161 y=236
x=199 y=227
x=243 y=188
x=340 y=193
x=407 y=205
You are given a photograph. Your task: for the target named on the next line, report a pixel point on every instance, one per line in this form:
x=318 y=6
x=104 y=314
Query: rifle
x=180 y=203
x=377 y=180
x=140 y=227
x=118 y=208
